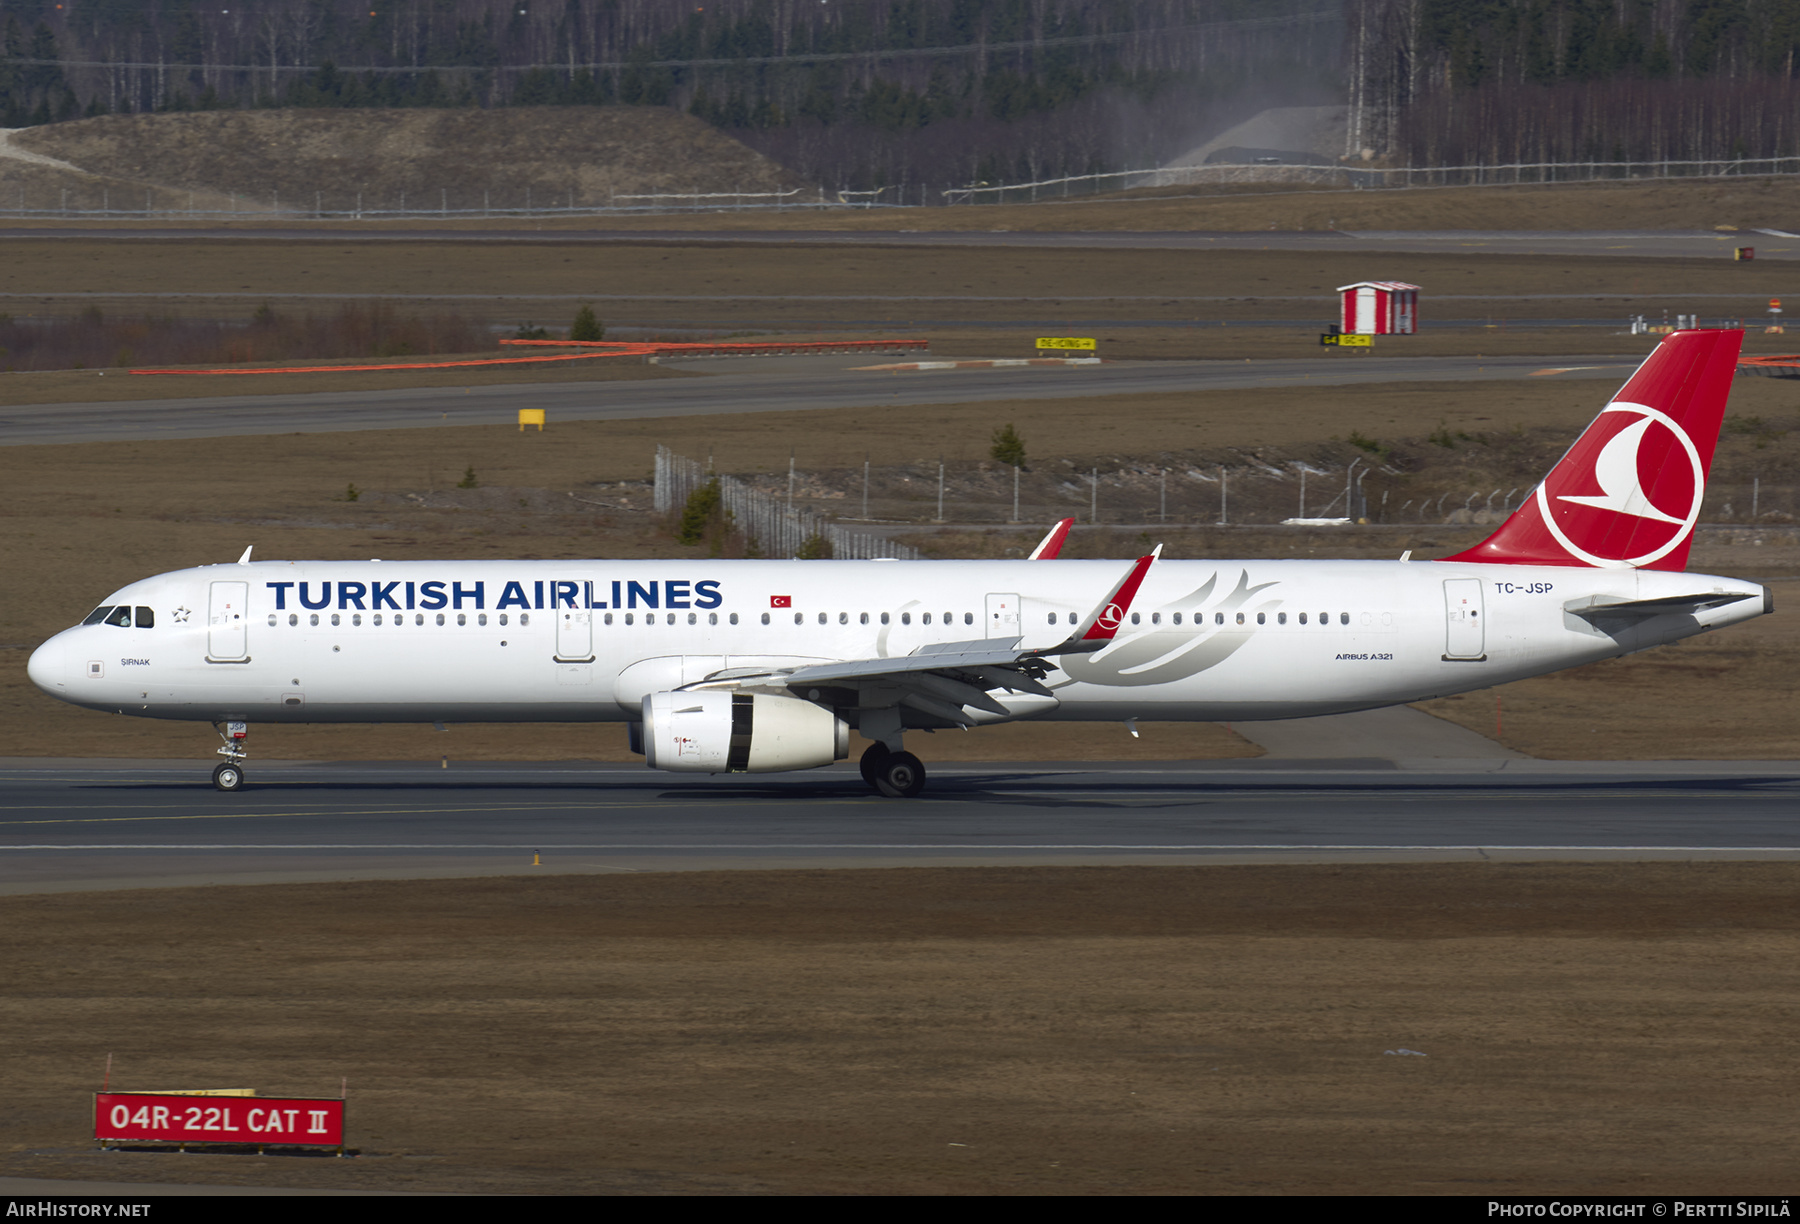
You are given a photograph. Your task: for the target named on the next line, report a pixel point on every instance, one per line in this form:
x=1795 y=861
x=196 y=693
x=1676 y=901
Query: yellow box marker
x=1065 y=342
x=531 y=416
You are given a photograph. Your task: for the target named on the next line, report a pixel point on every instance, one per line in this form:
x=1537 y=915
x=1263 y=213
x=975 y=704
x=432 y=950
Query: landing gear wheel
x=901 y=776
x=228 y=777
x=871 y=763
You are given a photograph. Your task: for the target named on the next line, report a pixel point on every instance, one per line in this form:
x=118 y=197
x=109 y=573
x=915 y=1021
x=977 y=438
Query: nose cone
x=49 y=666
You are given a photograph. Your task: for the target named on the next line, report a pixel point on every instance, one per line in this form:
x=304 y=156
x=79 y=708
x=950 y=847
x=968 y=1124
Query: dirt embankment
x=287 y=160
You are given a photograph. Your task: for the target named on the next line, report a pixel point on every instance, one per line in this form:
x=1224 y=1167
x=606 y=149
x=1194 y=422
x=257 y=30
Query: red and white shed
x=1380 y=308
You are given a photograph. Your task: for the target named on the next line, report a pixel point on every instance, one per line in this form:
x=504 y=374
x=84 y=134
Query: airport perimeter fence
x=1250 y=493
x=775 y=526
x=1366 y=178
x=350 y=204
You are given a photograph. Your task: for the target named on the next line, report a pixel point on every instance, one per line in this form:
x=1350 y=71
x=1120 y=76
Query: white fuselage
x=382 y=641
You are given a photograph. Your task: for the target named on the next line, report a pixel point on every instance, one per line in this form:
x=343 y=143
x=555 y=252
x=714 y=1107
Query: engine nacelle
x=724 y=732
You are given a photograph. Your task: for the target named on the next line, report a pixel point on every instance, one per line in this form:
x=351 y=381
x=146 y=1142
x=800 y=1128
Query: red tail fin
x=1628 y=493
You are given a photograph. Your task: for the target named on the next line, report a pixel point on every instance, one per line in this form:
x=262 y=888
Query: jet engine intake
x=725 y=732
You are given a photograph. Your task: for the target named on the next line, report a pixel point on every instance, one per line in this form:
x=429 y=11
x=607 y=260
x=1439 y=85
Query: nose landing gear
x=229 y=775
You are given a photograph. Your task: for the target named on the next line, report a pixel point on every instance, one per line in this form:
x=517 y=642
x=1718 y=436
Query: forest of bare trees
x=847 y=92
x=1468 y=82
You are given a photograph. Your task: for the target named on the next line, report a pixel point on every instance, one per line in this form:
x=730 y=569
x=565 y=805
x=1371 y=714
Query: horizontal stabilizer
x=1596 y=607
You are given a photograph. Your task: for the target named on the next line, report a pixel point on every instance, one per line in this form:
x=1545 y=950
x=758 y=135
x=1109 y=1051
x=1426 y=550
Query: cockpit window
x=98 y=614
x=146 y=619
x=121 y=616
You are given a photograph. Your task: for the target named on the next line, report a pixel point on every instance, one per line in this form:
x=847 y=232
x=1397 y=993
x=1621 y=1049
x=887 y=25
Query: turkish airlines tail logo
x=1628 y=493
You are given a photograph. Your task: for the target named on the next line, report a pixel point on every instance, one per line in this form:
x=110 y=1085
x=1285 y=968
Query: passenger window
x=378 y=618
x=462 y=618
x=293 y=618
x=503 y=619
x=356 y=618
x=1281 y=618
x=630 y=618
x=1343 y=618
x=313 y=619
x=734 y=618
x=926 y=619
x=694 y=619
x=1177 y=618
x=1303 y=618
x=1136 y=618
x=863 y=619
x=1219 y=618
x=884 y=618
x=524 y=618
x=1156 y=618
x=1262 y=618
x=765 y=618
x=968 y=618
x=844 y=618
x=440 y=618
x=799 y=618
x=712 y=618
x=608 y=619
x=821 y=618
x=906 y=618
x=335 y=619
x=271 y=620
x=146 y=619
x=1324 y=618
x=1240 y=618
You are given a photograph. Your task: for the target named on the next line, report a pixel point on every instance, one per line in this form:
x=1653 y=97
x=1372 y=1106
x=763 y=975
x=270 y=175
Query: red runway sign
x=145 y=1118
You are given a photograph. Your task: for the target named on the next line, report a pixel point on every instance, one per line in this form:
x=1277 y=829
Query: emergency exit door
x=1003 y=616
x=574 y=636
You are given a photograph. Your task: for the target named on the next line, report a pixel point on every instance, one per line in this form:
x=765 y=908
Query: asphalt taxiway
x=82 y=825
x=738 y=385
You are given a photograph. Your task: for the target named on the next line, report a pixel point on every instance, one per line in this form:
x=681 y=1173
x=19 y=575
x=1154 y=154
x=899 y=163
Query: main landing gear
x=229 y=774
x=898 y=775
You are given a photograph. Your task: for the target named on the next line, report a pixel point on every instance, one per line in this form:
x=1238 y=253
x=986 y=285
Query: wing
x=944 y=679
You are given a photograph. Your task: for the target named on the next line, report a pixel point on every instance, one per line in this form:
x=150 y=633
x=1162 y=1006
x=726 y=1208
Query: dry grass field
x=655 y=282
x=1602 y=1028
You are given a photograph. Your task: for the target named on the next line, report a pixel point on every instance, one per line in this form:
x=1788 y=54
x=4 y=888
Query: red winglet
x=1628 y=493
x=1051 y=545
x=1113 y=608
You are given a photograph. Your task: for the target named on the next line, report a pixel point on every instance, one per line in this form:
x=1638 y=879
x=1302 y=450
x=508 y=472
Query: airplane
x=767 y=665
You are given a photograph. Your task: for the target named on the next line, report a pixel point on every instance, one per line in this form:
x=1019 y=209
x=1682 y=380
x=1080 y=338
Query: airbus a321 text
x=727 y=666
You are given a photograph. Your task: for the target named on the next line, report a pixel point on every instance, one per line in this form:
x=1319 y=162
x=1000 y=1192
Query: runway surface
x=1770 y=243
x=81 y=825
x=736 y=385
